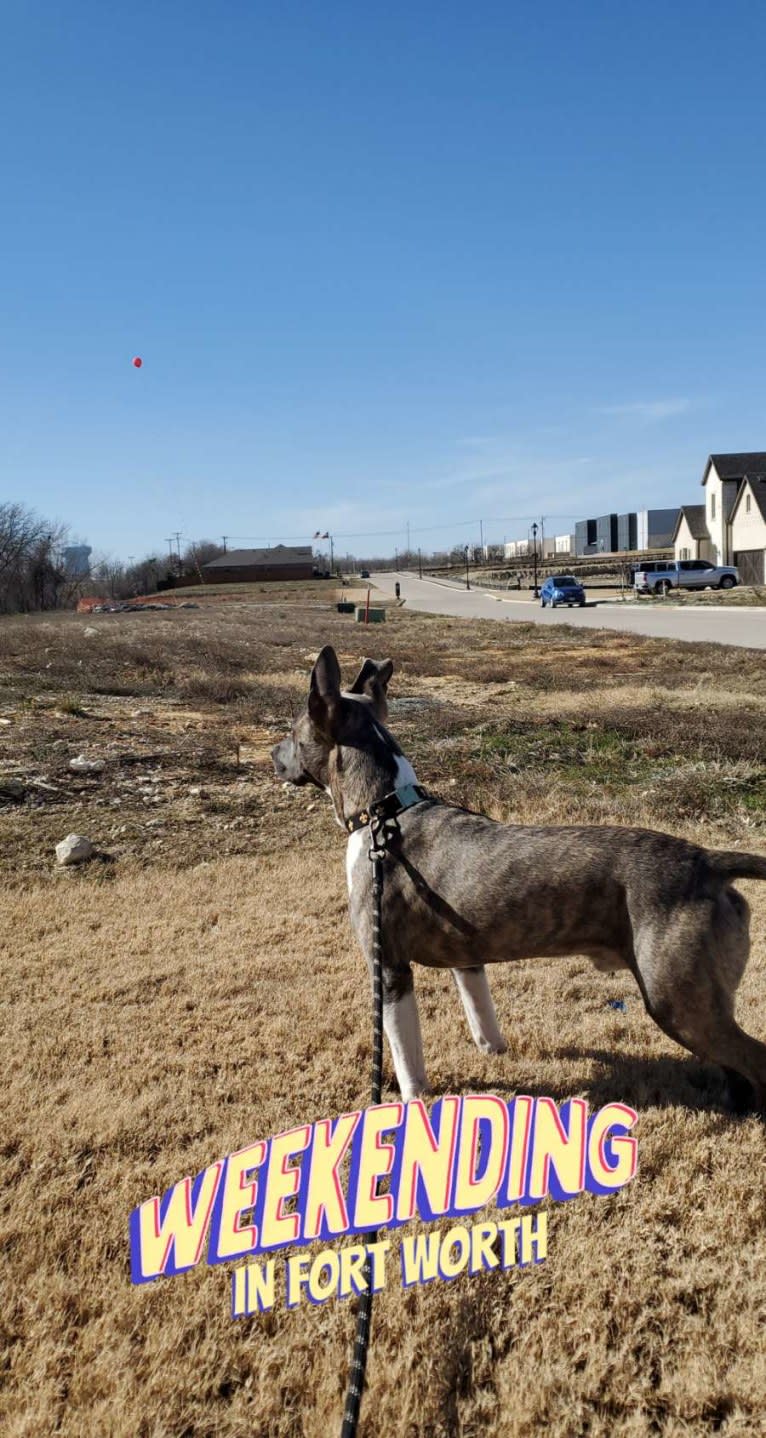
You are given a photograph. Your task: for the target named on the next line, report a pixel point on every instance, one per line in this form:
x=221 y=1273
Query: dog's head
x=334 y=719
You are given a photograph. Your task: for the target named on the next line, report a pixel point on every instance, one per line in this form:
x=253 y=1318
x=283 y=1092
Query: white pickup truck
x=684 y=574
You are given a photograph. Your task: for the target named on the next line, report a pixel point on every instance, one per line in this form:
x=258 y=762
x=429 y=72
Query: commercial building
x=655 y=528
x=242 y=566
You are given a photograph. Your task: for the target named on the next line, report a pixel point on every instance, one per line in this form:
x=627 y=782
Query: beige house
x=721 y=482
x=730 y=527
x=747 y=530
x=691 y=539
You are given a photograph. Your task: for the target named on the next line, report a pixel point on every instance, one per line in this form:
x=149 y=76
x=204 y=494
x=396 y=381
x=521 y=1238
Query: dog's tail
x=732 y=865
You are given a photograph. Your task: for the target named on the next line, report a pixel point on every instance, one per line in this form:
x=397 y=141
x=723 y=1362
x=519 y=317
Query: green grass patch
x=574 y=751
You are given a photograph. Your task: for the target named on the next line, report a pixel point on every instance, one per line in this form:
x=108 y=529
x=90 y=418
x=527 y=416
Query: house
x=747 y=530
x=730 y=527
x=690 y=537
x=243 y=566
x=722 y=480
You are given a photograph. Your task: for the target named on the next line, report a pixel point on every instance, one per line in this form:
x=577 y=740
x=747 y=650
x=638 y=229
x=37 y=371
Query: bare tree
x=31 y=570
x=107 y=577
x=199 y=552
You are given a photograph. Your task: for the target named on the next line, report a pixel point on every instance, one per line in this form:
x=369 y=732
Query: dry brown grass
x=203 y=990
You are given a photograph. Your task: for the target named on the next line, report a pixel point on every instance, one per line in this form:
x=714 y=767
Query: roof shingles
x=736 y=466
x=250 y=558
x=694 y=514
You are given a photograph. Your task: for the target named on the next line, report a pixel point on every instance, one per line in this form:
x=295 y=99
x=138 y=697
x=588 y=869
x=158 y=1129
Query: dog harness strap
x=389 y=806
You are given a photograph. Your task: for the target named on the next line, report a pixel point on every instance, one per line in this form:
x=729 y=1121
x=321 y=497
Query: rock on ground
x=74 y=849
x=82 y=765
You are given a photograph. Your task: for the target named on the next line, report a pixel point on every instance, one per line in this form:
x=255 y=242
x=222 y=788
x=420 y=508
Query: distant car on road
x=685 y=574
x=364 y=573
x=562 y=589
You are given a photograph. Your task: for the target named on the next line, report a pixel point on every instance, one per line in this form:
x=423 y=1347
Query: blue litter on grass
x=617 y=1004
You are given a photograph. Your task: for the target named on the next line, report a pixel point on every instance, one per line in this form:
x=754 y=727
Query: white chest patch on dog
x=355 y=850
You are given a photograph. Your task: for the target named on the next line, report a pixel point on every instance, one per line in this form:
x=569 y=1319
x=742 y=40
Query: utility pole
x=396 y=560
x=481 y=533
x=420 y=565
x=534 y=559
x=332 y=556
x=224 y=537
x=467 y=579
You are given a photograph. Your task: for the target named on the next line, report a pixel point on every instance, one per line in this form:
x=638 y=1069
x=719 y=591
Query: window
x=684 y=554
x=712 y=505
x=747 y=504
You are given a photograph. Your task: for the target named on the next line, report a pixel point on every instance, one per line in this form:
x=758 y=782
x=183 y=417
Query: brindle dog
x=462 y=891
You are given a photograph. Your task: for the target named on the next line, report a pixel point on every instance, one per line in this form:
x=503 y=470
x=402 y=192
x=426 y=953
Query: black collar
x=388 y=807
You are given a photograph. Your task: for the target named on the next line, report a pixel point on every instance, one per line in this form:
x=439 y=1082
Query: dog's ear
x=372 y=680
x=324 y=694
x=372 y=671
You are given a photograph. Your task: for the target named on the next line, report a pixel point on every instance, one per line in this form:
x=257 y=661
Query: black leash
x=381 y=831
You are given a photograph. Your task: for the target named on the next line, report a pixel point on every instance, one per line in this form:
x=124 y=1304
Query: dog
x=462 y=891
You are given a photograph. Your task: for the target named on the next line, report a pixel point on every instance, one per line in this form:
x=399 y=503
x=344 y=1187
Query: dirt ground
x=196 y=987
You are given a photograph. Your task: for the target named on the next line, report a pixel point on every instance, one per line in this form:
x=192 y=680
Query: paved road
x=745 y=627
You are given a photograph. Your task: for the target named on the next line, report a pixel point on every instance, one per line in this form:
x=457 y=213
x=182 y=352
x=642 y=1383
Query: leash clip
x=382 y=831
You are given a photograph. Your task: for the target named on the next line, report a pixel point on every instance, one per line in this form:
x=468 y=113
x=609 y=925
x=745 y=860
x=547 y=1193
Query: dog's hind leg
x=401 y=1024
x=473 y=989
x=688 y=976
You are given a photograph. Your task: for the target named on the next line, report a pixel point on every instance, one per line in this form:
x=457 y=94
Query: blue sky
x=384 y=263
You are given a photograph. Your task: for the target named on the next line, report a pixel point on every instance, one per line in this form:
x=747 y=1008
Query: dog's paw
x=496 y=1046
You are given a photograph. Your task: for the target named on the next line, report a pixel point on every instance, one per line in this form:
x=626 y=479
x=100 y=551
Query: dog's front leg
x=402 y=1028
x=474 y=991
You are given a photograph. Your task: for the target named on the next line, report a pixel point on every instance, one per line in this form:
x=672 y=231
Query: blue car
x=562 y=589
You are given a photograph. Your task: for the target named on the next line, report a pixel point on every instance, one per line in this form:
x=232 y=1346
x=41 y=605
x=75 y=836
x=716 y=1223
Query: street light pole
x=420 y=565
x=534 y=559
x=467 y=580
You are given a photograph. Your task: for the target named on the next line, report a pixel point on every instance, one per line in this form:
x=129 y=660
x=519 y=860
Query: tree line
x=37 y=571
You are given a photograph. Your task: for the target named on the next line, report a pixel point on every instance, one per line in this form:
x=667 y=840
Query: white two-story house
x=730 y=527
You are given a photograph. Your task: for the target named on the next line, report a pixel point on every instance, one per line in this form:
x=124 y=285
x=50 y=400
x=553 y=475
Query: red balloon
x=138 y=362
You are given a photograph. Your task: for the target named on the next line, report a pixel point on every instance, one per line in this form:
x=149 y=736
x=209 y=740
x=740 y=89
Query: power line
x=391 y=533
